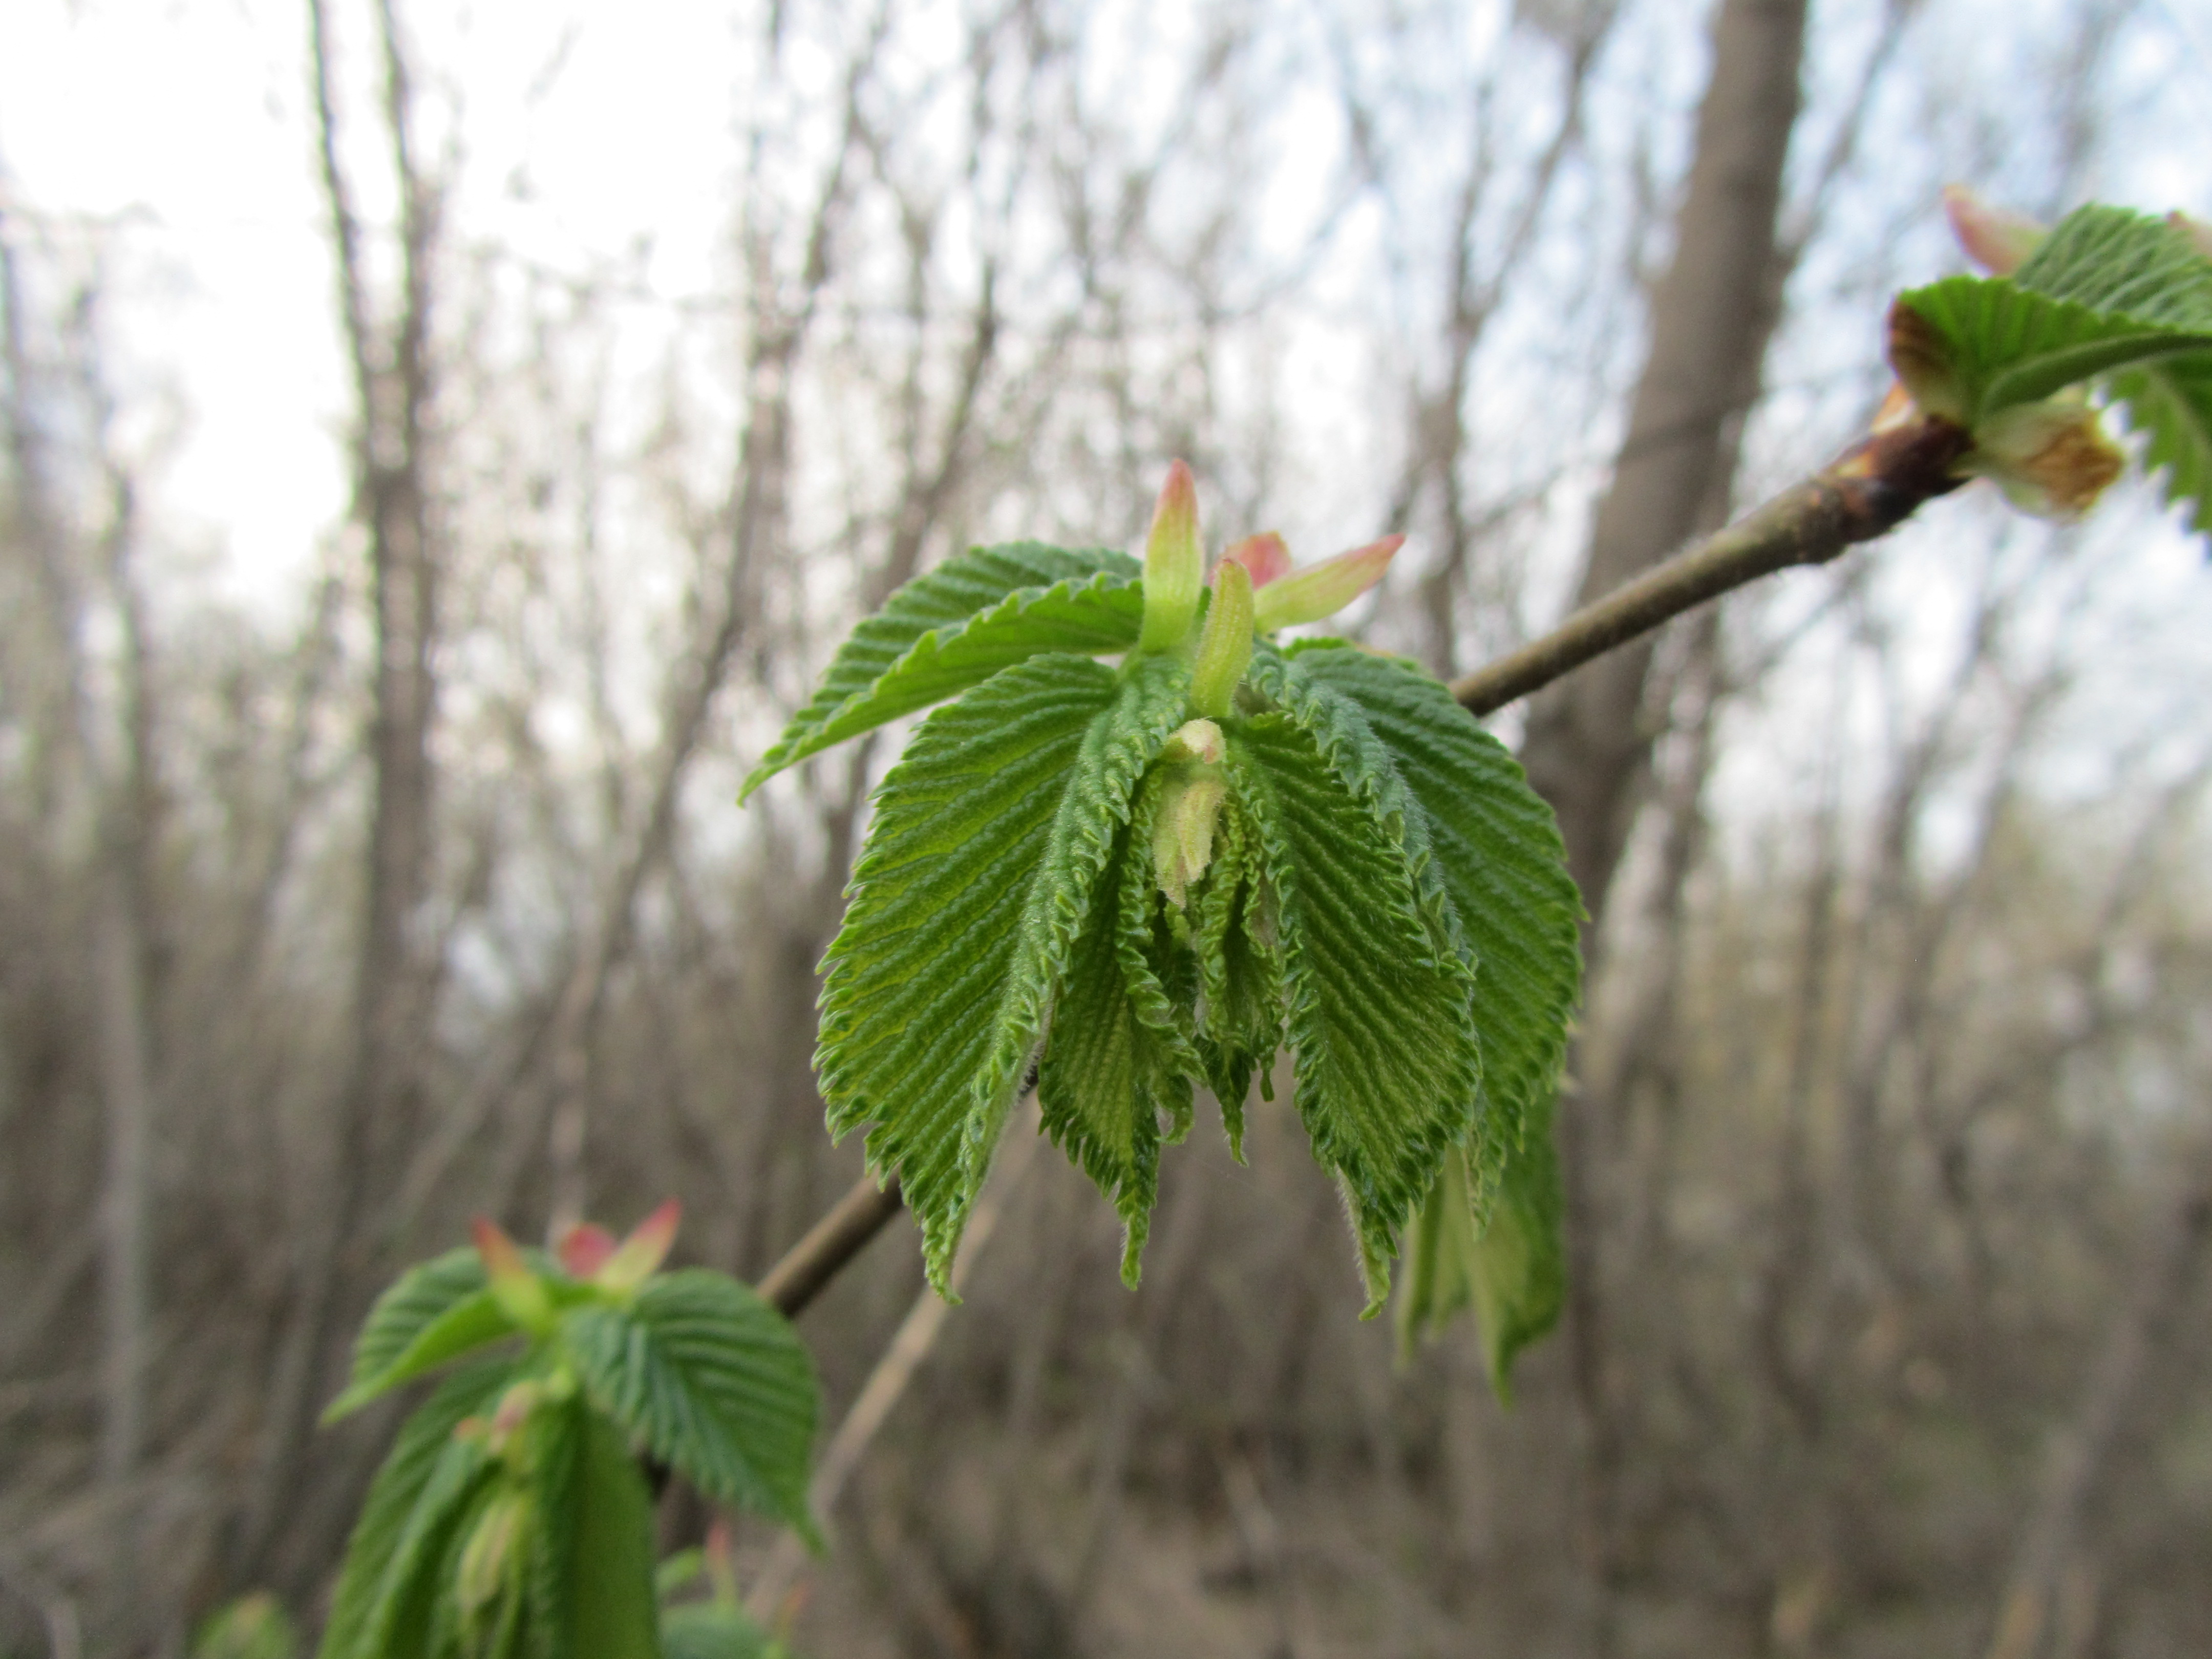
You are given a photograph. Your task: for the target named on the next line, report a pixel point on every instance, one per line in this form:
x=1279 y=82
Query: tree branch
x=1867 y=491
x=831 y=1243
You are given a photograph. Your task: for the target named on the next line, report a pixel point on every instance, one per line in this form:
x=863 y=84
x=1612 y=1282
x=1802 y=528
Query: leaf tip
x=1997 y=239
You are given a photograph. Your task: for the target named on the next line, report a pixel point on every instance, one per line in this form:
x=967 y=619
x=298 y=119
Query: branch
x=831 y=1243
x=1867 y=491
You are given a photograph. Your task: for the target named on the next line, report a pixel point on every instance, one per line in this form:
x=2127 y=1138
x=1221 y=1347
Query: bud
x=1195 y=740
x=2053 y=458
x=643 y=1251
x=1224 y=648
x=1264 y=556
x=1997 y=239
x=1182 y=835
x=1323 y=589
x=517 y=1290
x=1175 y=569
x=583 y=1250
x=492 y=1556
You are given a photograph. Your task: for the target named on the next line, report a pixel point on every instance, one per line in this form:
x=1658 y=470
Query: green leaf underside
x=1495 y=846
x=387 y=1585
x=1508 y=1264
x=2108 y=293
x=1107 y=1075
x=2010 y=345
x=1381 y=1019
x=954 y=627
x=976 y=877
x=1240 y=970
x=714 y=1383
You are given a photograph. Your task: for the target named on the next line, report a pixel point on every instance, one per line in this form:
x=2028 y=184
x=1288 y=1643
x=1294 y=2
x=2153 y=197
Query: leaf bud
x=643 y=1251
x=1175 y=568
x=518 y=1292
x=1224 y=647
x=1322 y=590
x=1182 y=834
x=1264 y=554
x=2053 y=459
x=1997 y=239
x=491 y=1558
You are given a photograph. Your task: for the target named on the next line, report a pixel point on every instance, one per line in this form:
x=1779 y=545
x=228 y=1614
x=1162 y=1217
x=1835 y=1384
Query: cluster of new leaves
x=510 y=1518
x=2108 y=298
x=1135 y=879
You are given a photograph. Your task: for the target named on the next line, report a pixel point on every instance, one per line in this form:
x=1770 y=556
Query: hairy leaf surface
x=953 y=626
x=1240 y=973
x=988 y=837
x=1107 y=1075
x=1495 y=846
x=1381 y=1016
x=713 y=1381
x=707 y=1629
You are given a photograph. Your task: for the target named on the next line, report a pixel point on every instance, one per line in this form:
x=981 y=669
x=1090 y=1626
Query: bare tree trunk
x=377 y=1105
x=1587 y=747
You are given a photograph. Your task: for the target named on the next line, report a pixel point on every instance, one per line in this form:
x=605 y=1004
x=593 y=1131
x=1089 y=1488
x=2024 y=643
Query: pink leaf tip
x=1323 y=589
x=502 y=1259
x=1264 y=556
x=1997 y=239
x=583 y=1250
x=644 y=1250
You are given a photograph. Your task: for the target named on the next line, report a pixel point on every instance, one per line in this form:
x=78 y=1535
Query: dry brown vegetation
x=1890 y=1161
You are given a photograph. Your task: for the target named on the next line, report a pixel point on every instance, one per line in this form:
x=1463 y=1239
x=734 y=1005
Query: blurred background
x=441 y=445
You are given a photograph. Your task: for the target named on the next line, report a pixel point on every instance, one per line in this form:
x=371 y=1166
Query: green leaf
x=1381 y=1016
x=1109 y=1073
x=1508 y=1263
x=1494 y=843
x=1240 y=973
x=707 y=1629
x=2170 y=404
x=714 y=1383
x=2110 y=294
x=386 y=1588
x=2008 y=345
x=605 y=1579
x=954 y=627
x=435 y=1312
x=2112 y=259
x=976 y=877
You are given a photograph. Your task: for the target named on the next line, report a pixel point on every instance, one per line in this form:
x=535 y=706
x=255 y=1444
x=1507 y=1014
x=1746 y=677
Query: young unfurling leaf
x=1147 y=879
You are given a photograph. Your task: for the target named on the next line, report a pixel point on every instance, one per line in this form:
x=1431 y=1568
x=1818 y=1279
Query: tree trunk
x=1588 y=746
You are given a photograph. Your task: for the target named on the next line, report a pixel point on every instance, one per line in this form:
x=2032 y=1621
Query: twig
x=1867 y=491
x=831 y=1243
x=888 y=1381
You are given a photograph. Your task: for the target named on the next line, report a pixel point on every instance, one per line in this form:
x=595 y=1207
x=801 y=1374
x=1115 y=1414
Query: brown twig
x=1867 y=491
x=831 y=1243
